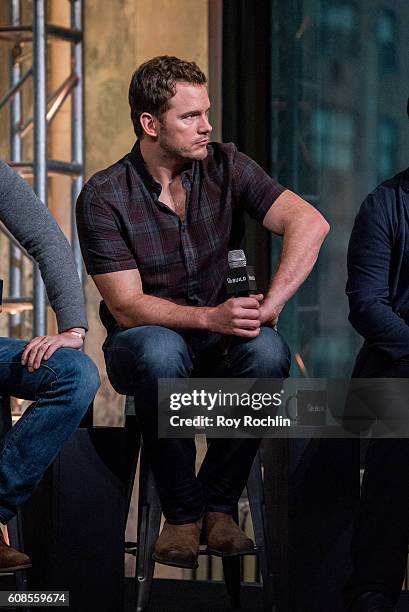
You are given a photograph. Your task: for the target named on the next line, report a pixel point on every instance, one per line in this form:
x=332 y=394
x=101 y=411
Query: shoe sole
x=16 y=568
x=174 y=563
x=221 y=553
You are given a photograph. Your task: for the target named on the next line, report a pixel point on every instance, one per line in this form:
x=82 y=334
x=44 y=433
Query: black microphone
x=241 y=280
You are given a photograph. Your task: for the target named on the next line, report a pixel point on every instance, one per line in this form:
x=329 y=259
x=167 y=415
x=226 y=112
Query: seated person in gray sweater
x=49 y=370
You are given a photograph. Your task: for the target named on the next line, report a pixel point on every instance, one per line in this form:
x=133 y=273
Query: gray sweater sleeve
x=26 y=217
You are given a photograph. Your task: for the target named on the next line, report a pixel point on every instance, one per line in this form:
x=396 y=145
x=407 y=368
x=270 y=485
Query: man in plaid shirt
x=155 y=229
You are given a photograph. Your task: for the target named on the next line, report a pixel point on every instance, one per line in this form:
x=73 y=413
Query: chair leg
x=255 y=492
x=231 y=571
x=15 y=533
x=232 y=575
x=149 y=515
x=133 y=445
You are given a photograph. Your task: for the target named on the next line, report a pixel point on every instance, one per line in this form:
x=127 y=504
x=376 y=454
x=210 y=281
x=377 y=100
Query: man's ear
x=149 y=124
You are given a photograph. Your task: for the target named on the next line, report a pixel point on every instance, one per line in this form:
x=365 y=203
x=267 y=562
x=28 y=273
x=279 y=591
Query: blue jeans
x=62 y=389
x=137 y=357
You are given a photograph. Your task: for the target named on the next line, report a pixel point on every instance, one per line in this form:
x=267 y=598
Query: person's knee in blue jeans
x=266 y=356
x=61 y=389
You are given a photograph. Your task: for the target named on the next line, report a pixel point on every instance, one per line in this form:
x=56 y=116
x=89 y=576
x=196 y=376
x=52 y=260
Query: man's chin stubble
x=184 y=155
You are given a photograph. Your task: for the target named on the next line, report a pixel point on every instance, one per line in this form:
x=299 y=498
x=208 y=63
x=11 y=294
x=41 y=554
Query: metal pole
x=77 y=125
x=16 y=277
x=40 y=146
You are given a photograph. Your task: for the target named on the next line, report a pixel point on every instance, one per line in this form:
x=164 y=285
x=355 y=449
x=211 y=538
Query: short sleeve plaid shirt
x=123 y=225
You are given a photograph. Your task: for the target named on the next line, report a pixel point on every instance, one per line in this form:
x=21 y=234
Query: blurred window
x=333 y=139
x=387 y=39
x=338 y=28
x=387 y=148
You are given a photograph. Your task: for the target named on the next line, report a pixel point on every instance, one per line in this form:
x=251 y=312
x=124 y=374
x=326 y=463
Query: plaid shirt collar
x=187 y=173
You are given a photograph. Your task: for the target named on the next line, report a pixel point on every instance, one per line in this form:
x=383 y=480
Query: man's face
x=184 y=129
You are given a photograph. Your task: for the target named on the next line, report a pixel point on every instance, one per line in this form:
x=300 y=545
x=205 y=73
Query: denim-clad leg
x=137 y=357
x=62 y=389
x=227 y=463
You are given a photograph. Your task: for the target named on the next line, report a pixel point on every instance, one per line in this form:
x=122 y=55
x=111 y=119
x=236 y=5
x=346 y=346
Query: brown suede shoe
x=178 y=545
x=224 y=537
x=11 y=559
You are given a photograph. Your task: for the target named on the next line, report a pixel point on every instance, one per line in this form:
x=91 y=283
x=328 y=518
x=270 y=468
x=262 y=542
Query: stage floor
x=200 y=596
x=180 y=595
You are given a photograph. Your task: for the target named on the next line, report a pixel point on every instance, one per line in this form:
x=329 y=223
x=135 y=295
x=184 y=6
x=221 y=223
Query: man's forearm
x=299 y=254
x=123 y=294
x=382 y=328
x=151 y=310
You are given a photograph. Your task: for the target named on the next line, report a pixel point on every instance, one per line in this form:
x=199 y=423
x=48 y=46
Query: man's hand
x=269 y=312
x=237 y=316
x=42 y=348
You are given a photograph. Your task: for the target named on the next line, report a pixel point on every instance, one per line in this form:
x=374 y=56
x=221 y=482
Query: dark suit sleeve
x=369 y=261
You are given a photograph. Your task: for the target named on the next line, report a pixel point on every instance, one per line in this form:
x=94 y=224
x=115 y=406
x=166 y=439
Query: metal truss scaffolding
x=35 y=37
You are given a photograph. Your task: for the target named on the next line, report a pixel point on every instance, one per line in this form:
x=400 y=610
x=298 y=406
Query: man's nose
x=204 y=125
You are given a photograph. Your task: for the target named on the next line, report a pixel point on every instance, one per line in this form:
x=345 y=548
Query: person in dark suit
x=378 y=293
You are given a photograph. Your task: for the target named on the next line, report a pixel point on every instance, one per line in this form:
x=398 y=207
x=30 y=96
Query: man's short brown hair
x=154 y=83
